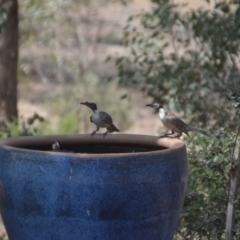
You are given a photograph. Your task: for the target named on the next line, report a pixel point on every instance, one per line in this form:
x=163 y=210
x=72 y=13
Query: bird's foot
x=169 y=135
x=179 y=135
x=105 y=134
x=93 y=133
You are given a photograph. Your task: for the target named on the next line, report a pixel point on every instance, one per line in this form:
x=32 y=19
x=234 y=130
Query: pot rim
x=14 y=144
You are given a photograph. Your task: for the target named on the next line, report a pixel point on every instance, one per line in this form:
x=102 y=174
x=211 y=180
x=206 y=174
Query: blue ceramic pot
x=115 y=188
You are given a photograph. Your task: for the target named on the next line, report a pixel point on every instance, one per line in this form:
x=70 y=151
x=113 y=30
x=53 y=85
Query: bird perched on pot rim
x=174 y=123
x=100 y=119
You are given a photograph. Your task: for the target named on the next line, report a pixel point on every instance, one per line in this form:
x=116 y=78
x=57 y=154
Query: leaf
x=123 y=96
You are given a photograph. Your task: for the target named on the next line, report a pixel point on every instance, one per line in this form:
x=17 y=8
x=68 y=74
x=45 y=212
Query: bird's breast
x=162 y=115
x=167 y=122
x=96 y=118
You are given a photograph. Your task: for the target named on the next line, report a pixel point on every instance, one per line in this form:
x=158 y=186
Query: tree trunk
x=233 y=188
x=9 y=62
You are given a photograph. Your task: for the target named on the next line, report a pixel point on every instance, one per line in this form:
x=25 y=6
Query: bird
x=174 y=123
x=100 y=119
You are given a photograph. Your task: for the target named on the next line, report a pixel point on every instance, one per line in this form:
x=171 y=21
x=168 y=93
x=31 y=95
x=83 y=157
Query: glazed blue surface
x=59 y=197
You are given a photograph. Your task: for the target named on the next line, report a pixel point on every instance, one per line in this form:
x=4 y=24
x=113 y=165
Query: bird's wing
x=91 y=119
x=177 y=122
x=105 y=117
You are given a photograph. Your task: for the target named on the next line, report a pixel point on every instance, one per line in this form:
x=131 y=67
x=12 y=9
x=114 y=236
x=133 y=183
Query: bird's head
x=91 y=105
x=156 y=106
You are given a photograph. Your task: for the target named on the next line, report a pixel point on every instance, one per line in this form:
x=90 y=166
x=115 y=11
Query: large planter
x=115 y=188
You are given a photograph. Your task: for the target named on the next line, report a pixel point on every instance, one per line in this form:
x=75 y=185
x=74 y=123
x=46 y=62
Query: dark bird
x=100 y=119
x=174 y=123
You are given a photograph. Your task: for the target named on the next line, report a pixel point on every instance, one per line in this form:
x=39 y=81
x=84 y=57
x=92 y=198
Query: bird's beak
x=149 y=105
x=84 y=103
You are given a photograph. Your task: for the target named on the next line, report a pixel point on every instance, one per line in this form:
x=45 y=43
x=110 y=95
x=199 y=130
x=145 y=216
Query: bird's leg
x=105 y=134
x=172 y=132
x=179 y=135
x=94 y=131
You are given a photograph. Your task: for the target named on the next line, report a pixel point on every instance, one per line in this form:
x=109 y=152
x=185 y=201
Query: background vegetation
x=65 y=62
x=187 y=59
x=3 y=17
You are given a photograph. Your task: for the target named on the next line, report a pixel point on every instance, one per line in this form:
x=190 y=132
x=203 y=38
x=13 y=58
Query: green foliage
x=187 y=59
x=21 y=127
x=68 y=124
x=183 y=58
x=3 y=17
x=204 y=212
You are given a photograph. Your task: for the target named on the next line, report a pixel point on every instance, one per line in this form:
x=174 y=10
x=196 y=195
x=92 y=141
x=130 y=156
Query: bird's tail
x=194 y=129
x=112 y=128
